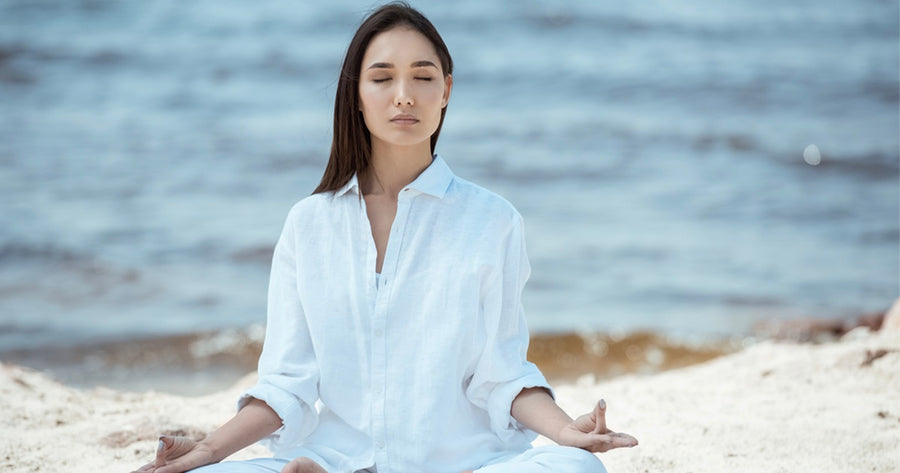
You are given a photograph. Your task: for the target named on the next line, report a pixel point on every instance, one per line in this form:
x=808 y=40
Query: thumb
x=165 y=443
x=600 y=417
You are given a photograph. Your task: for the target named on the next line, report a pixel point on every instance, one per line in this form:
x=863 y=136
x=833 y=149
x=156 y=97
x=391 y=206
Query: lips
x=404 y=119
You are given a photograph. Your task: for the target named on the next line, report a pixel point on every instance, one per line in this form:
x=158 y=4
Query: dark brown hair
x=351 y=145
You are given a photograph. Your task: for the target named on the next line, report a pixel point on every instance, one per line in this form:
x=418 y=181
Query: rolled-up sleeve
x=288 y=372
x=503 y=370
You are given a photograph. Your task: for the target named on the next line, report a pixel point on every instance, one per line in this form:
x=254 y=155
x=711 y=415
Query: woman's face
x=402 y=88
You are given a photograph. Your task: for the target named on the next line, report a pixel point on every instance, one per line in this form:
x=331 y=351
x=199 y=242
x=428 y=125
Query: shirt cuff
x=297 y=418
x=504 y=425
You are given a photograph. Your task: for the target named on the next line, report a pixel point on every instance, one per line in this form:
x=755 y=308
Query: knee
x=303 y=465
x=583 y=461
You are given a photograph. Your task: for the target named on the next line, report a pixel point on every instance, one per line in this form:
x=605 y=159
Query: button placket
x=379 y=377
x=379 y=331
x=376 y=299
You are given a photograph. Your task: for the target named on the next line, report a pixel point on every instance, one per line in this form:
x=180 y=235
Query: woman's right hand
x=177 y=455
x=254 y=421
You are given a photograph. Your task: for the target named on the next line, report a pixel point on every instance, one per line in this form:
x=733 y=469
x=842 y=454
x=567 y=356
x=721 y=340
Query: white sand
x=774 y=407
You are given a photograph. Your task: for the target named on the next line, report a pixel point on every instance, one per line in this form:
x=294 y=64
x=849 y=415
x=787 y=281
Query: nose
x=404 y=97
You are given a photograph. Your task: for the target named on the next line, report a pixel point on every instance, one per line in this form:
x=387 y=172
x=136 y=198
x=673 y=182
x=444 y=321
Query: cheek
x=435 y=94
x=429 y=98
x=370 y=96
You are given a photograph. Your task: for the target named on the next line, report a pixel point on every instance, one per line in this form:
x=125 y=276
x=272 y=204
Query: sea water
x=690 y=168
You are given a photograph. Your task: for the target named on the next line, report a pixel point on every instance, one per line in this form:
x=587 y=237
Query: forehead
x=400 y=46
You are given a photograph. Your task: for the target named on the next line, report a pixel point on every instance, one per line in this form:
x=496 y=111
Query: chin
x=404 y=139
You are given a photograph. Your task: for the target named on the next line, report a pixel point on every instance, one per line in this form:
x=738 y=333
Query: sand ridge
x=774 y=406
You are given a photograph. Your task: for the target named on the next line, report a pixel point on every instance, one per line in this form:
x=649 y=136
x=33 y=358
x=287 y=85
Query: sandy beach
x=773 y=406
x=708 y=196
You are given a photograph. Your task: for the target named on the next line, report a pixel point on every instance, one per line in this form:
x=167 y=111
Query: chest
x=430 y=299
x=380 y=211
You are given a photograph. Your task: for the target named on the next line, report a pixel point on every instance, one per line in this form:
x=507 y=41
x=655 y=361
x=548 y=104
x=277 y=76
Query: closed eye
x=378 y=81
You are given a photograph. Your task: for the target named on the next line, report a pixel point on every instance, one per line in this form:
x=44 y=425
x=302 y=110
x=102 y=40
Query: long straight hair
x=351 y=145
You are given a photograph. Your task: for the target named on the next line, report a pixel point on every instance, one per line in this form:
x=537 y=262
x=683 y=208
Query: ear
x=448 y=85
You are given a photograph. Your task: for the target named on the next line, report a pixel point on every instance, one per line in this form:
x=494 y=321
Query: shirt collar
x=434 y=180
x=353 y=184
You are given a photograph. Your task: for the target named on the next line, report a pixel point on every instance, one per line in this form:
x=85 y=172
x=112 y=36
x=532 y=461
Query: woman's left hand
x=590 y=433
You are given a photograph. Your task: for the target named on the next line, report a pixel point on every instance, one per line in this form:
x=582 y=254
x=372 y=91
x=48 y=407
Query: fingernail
x=602 y=404
x=162 y=445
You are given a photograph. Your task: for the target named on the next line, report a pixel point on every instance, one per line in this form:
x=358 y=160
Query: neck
x=394 y=167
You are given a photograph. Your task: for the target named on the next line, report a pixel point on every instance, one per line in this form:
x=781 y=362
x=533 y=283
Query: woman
x=395 y=336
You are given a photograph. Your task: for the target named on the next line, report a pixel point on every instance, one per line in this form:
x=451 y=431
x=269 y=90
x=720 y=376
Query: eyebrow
x=387 y=65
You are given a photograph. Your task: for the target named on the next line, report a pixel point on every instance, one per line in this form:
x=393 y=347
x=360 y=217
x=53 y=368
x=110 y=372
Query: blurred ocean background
x=689 y=168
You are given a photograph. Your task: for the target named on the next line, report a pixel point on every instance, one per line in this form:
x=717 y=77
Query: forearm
x=253 y=422
x=535 y=408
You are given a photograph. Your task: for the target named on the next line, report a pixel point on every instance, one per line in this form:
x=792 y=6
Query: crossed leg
x=264 y=465
x=545 y=459
x=548 y=459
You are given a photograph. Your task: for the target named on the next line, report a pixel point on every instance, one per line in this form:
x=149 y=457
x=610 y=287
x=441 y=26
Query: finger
x=173 y=468
x=599 y=443
x=600 y=417
x=179 y=466
x=614 y=440
x=623 y=440
x=628 y=439
x=148 y=468
x=165 y=443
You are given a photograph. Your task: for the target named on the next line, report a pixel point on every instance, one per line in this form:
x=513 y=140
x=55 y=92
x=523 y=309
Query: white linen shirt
x=417 y=374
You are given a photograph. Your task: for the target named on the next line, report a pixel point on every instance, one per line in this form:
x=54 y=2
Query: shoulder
x=305 y=211
x=488 y=205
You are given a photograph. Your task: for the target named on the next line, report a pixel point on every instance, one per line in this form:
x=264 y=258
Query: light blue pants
x=545 y=459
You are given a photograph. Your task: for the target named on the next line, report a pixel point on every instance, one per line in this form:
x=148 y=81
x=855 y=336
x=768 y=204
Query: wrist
x=535 y=409
x=560 y=437
x=215 y=450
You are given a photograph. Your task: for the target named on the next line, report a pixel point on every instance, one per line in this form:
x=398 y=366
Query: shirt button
x=379 y=444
